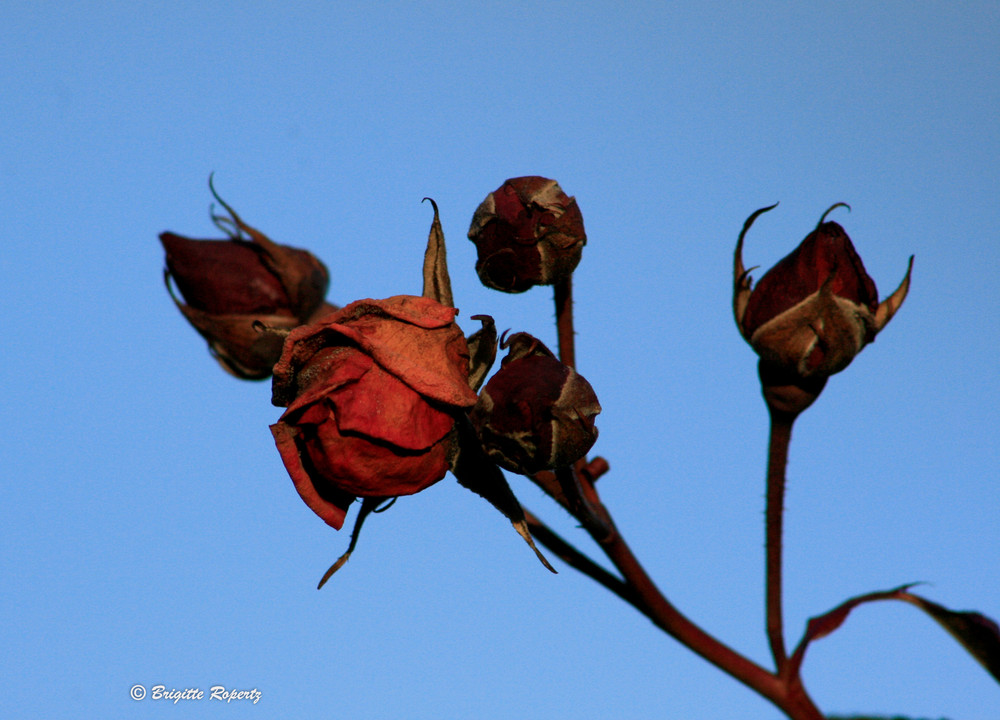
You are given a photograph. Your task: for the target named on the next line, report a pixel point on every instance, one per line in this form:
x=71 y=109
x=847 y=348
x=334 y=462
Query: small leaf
x=437 y=284
x=474 y=470
x=482 y=351
x=977 y=633
x=824 y=624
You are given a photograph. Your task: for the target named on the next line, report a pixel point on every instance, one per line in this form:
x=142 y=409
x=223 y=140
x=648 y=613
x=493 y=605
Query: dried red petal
x=224 y=276
x=826 y=255
x=372 y=391
x=231 y=286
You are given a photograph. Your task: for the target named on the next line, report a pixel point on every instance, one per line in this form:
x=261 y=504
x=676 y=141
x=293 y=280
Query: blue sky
x=150 y=532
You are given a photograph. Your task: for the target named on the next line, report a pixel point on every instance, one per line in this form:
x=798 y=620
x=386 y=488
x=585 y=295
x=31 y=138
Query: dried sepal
x=475 y=471
x=437 y=283
x=368 y=505
x=482 y=351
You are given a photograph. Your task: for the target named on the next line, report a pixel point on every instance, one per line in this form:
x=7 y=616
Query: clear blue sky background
x=149 y=531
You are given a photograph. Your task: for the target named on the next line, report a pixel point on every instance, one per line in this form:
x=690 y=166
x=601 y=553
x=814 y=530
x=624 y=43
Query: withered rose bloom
x=527 y=232
x=536 y=413
x=814 y=311
x=229 y=285
x=371 y=392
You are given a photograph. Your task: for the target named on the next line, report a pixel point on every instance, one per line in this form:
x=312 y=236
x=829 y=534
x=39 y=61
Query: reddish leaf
x=824 y=624
x=977 y=633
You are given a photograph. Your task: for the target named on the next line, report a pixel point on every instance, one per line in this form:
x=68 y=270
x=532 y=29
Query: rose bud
x=228 y=285
x=371 y=392
x=536 y=413
x=527 y=232
x=813 y=312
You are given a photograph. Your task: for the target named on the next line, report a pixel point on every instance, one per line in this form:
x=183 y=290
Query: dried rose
x=536 y=413
x=527 y=232
x=230 y=285
x=813 y=312
x=372 y=392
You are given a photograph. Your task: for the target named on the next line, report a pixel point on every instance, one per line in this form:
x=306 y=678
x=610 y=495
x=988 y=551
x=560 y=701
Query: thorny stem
x=577 y=560
x=575 y=491
x=638 y=589
x=564 y=321
x=777 y=459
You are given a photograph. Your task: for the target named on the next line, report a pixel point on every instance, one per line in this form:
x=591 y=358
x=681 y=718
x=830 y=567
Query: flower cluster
x=382 y=397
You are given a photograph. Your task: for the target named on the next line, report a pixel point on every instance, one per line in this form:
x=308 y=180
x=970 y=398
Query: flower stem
x=637 y=589
x=564 y=320
x=777 y=459
x=665 y=616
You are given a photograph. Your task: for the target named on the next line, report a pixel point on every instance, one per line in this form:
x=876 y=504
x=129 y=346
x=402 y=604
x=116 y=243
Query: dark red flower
x=371 y=393
x=229 y=285
x=814 y=311
x=527 y=232
x=536 y=413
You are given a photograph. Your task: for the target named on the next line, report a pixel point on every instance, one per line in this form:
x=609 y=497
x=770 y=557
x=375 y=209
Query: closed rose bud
x=229 y=285
x=813 y=312
x=527 y=232
x=536 y=413
x=371 y=392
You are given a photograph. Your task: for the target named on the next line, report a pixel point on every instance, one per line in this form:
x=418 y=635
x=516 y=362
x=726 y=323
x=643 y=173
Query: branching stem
x=575 y=491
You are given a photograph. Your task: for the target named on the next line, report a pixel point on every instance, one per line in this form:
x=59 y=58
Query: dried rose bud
x=813 y=312
x=536 y=413
x=527 y=232
x=371 y=393
x=229 y=285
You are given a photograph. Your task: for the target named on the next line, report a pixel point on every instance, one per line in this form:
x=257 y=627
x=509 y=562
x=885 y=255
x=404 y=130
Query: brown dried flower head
x=372 y=393
x=527 y=232
x=233 y=287
x=810 y=314
x=536 y=413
